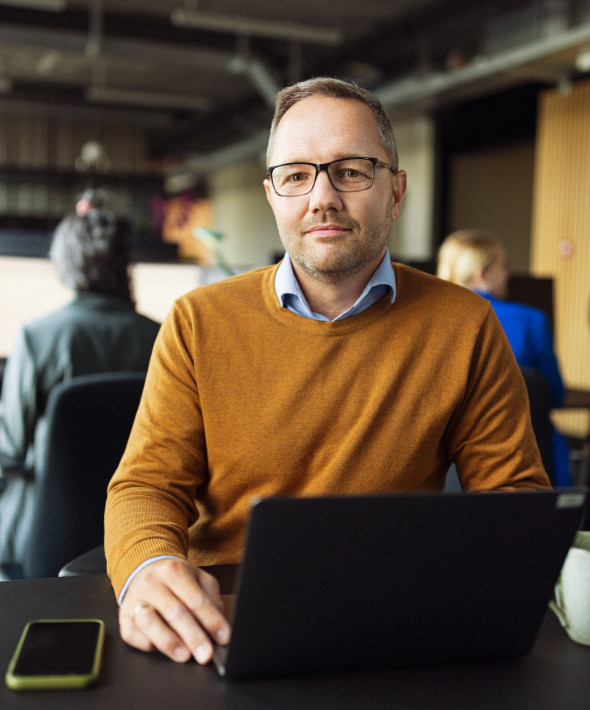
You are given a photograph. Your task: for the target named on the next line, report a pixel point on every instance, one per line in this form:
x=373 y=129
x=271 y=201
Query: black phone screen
x=58 y=648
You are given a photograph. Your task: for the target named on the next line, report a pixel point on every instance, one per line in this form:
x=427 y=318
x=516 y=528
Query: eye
x=292 y=175
x=296 y=177
x=353 y=171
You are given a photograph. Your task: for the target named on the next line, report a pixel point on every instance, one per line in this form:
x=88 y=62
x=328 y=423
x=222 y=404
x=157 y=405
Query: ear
x=477 y=278
x=269 y=191
x=399 y=190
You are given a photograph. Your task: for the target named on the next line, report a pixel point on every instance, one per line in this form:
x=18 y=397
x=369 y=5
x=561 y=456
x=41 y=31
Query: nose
x=324 y=195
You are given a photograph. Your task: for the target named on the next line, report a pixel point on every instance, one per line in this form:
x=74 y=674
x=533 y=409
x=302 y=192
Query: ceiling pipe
x=46 y=5
x=424 y=90
x=419 y=90
x=260 y=76
x=204 y=164
x=133 y=97
x=113 y=47
x=95 y=27
x=86 y=112
x=507 y=66
x=255 y=27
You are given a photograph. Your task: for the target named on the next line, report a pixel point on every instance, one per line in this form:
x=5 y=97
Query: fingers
x=210 y=586
x=175 y=608
x=130 y=633
x=144 y=629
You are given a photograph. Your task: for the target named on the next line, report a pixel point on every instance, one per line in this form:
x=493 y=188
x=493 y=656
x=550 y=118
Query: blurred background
x=166 y=106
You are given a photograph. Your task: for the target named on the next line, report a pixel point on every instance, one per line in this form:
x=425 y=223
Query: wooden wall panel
x=561 y=229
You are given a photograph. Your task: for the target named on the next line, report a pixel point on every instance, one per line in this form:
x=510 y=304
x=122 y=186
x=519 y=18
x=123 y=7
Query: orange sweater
x=244 y=398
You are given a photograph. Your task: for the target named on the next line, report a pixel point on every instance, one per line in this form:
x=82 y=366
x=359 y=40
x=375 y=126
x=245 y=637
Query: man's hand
x=176 y=608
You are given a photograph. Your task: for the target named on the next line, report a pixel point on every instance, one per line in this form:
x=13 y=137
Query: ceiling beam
x=256 y=27
x=133 y=97
x=151 y=51
x=46 y=5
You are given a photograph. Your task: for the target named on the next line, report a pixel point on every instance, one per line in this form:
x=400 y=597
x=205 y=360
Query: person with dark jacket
x=99 y=330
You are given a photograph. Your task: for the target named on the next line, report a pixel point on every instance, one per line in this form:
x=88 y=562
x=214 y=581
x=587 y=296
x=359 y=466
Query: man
x=334 y=372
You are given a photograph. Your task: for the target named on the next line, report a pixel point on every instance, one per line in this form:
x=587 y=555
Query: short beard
x=338 y=268
x=347 y=262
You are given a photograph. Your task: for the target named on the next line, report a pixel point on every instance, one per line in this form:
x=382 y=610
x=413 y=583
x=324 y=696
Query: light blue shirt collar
x=291 y=296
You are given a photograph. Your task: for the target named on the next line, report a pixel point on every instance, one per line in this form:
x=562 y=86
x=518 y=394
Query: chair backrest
x=540 y=403
x=88 y=423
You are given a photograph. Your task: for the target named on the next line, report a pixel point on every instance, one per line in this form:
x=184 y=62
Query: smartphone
x=57 y=653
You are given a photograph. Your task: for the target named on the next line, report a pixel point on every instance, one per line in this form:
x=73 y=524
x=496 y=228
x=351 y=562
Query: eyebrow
x=341 y=156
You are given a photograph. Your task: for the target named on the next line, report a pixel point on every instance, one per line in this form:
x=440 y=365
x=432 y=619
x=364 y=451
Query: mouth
x=326 y=231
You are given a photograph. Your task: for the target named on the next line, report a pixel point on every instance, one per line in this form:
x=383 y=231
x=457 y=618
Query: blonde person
x=477 y=259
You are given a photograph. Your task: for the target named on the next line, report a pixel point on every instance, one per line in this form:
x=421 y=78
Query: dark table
x=554 y=675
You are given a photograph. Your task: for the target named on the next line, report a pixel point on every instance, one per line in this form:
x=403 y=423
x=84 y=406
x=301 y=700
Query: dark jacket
x=93 y=333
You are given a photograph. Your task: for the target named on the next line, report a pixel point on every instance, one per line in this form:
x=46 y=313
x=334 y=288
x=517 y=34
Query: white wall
x=411 y=234
x=242 y=214
x=30 y=288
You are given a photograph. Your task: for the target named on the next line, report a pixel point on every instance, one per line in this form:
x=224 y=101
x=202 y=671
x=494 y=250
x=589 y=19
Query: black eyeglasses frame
x=324 y=166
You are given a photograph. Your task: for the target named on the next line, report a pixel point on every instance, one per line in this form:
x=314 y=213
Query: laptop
x=372 y=582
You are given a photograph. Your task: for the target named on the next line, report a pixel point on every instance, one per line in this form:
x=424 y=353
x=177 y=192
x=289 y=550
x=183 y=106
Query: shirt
x=291 y=296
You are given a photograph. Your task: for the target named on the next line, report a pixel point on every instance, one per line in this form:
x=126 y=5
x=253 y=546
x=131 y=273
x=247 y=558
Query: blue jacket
x=530 y=336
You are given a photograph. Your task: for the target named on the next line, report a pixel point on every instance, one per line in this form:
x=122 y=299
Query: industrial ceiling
x=201 y=75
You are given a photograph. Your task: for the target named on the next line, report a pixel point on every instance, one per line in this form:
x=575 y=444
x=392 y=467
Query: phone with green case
x=57 y=653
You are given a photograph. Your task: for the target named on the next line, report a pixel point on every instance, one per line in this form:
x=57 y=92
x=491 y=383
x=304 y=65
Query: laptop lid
x=351 y=583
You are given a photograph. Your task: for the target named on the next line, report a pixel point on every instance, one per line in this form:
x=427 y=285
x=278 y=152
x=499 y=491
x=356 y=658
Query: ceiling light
x=583 y=61
x=93 y=156
x=147 y=98
x=5 y=85
x=234 y=24
x=48 y=63
x=48 y=5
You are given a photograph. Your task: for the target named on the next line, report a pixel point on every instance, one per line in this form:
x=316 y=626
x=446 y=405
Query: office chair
x=540 y=403
x=88 y=422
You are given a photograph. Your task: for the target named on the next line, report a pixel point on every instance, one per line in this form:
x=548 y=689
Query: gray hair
x=335 y=89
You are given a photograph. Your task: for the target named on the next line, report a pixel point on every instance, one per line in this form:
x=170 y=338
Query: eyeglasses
x=345 y=175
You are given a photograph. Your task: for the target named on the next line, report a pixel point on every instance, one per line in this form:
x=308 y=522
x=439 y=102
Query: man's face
x=330 y=234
